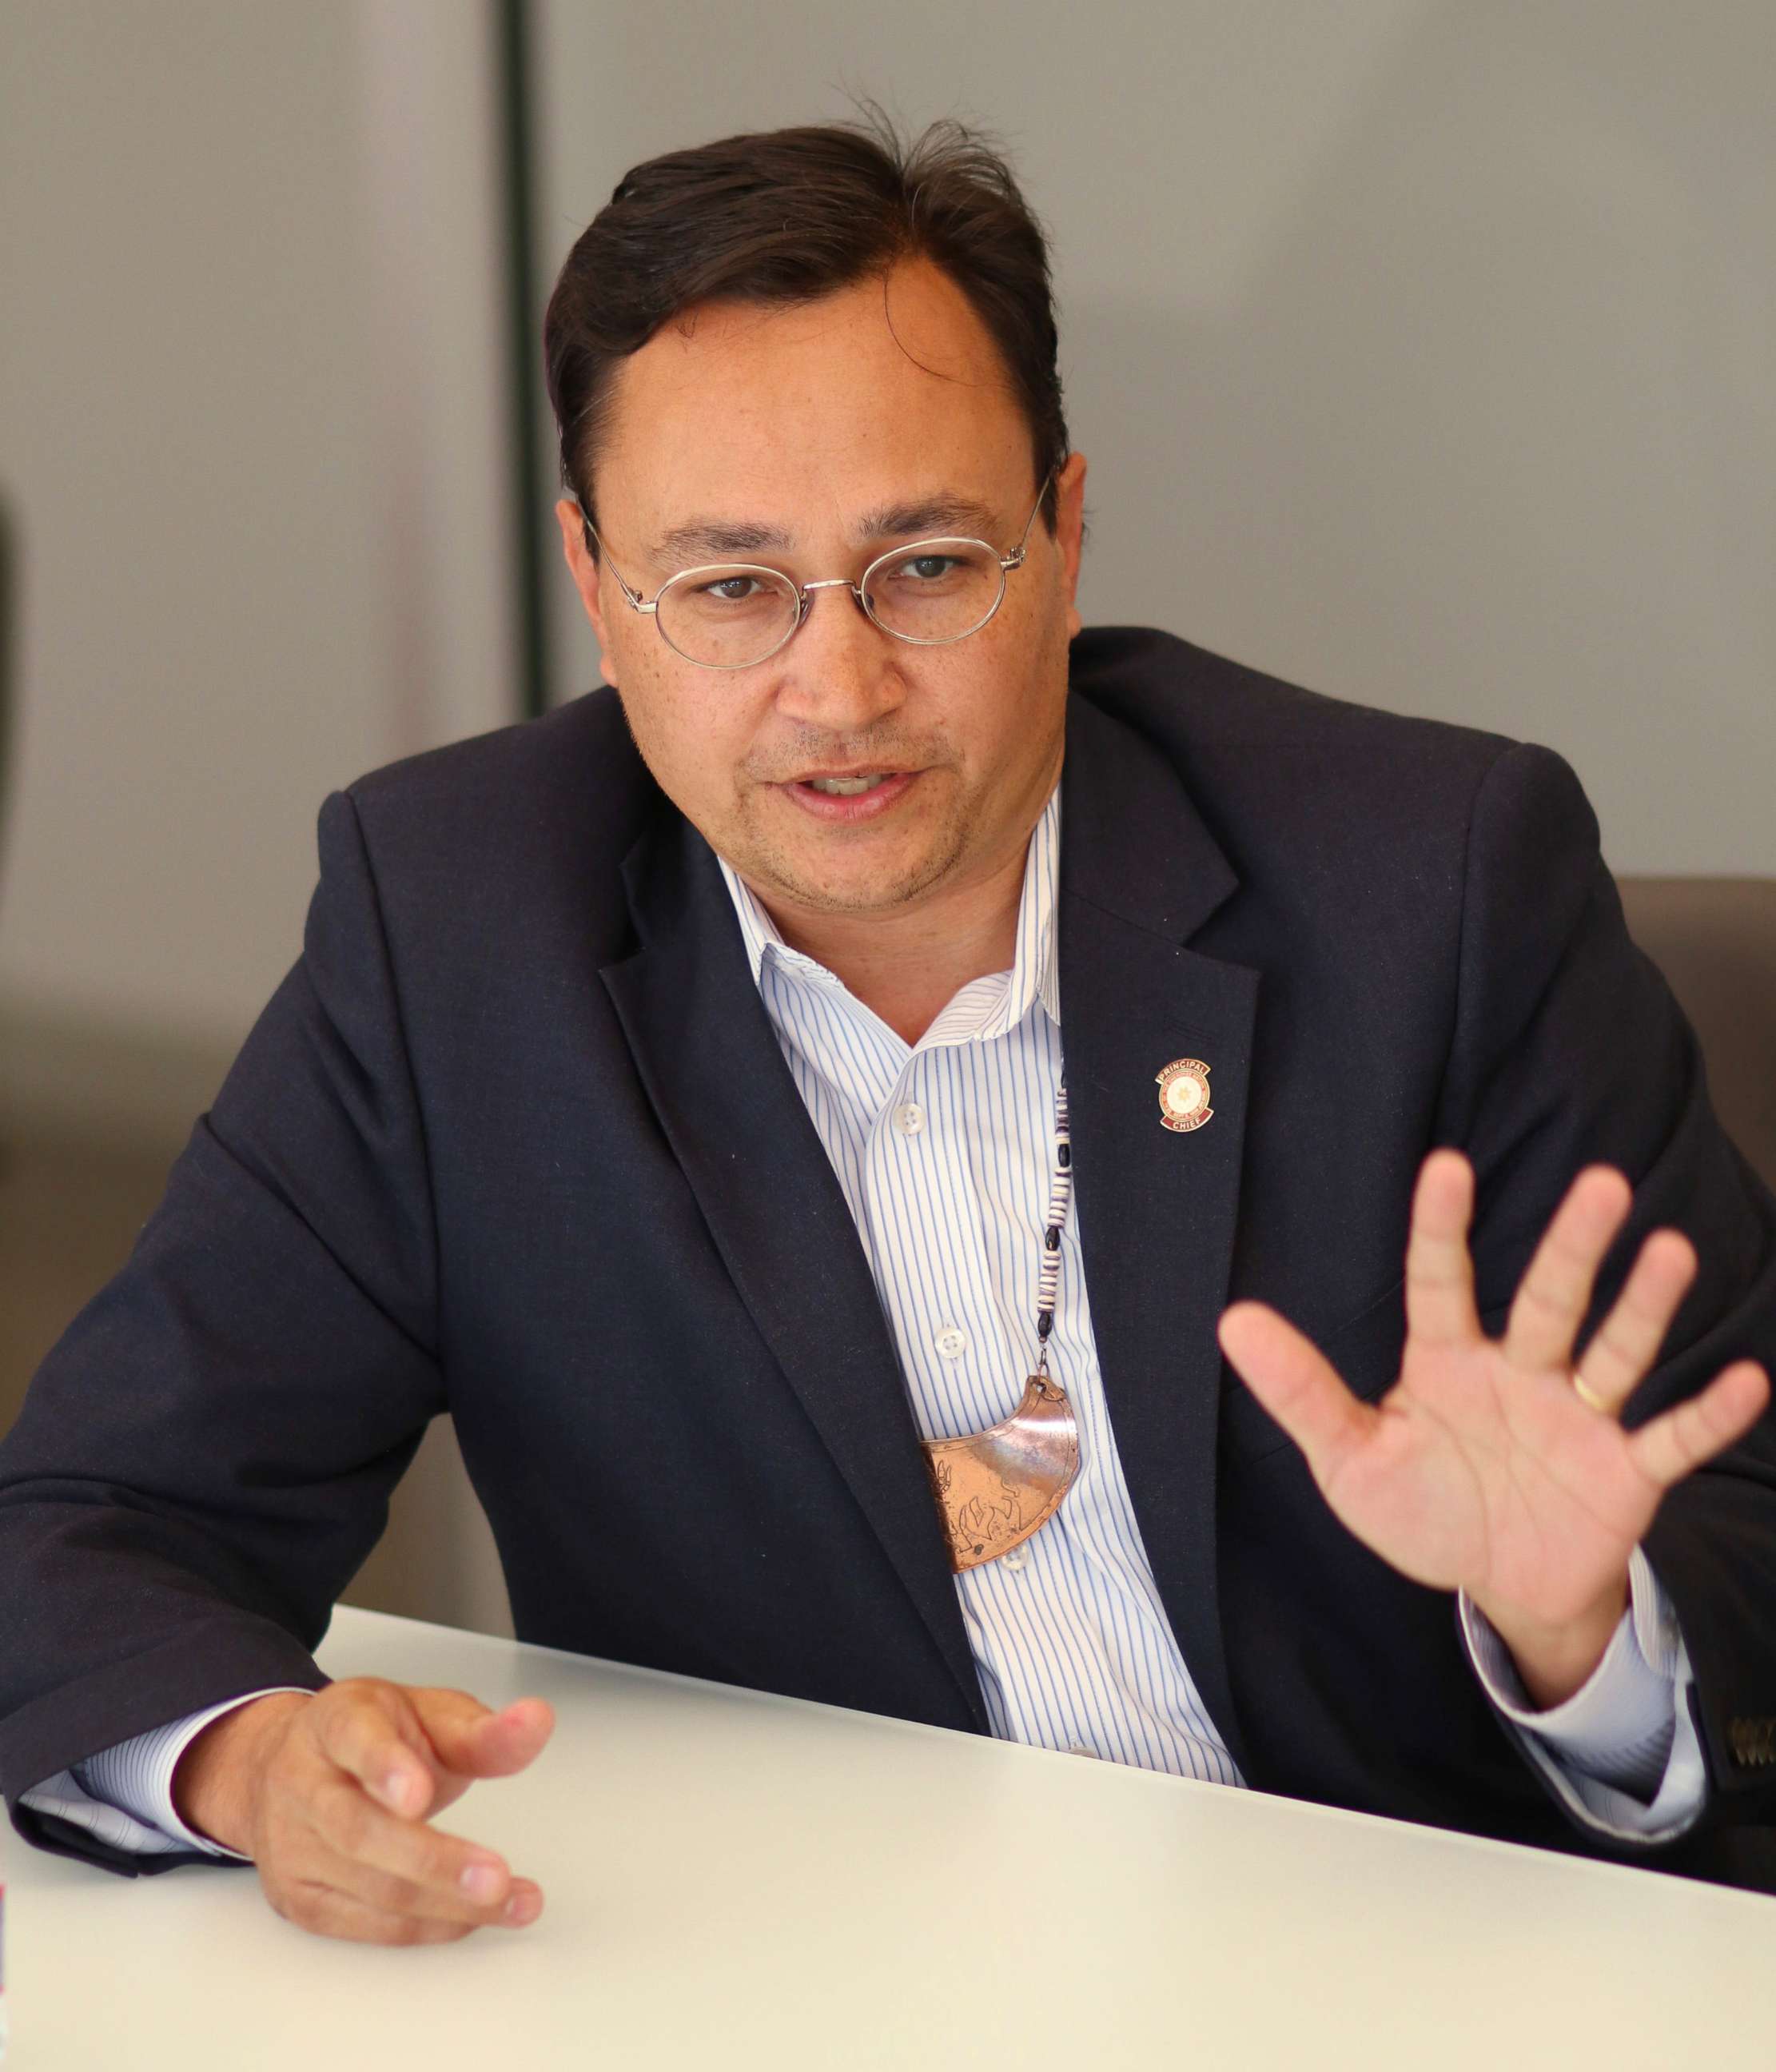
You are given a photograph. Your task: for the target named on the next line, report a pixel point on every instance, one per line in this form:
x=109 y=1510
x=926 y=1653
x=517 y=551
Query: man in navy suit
x=544 y=1128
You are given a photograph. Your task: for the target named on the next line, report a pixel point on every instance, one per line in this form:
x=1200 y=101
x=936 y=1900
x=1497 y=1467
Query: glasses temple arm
x=632 y=598
x=1015 y=558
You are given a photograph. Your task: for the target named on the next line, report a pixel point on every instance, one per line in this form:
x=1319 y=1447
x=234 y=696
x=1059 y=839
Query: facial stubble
x=769 y=867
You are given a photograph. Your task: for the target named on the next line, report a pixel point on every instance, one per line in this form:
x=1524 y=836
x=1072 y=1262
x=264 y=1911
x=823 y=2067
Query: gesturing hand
x=1492 y=1465
x=329 y=1795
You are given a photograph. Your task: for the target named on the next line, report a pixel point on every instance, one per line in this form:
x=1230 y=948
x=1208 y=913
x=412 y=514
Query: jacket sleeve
x=1568 y=1050
x=204 y=1460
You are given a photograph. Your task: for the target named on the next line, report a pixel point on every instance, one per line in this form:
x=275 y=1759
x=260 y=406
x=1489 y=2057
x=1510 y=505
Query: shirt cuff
x=124 y=1794
x=1622 y=1754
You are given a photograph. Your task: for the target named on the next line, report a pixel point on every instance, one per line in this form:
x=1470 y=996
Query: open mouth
x=860 y=794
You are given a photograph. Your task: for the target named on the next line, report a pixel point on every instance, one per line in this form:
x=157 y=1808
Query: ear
x=1070 y=530
x=585 y=572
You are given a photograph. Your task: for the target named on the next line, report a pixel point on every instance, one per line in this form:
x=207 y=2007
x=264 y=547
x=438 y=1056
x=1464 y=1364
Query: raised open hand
x=1494 y=1465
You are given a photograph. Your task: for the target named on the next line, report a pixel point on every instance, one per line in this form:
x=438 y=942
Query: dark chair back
x=1715 y=939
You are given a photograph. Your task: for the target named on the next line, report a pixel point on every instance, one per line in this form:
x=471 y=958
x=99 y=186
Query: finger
x=1296 y=1383
x=1439 y=1272
x=475 y=1741
x=1668 y=1448
x=1625 y=1345
x=323 y=1911
x=1555 y=1293
x=371 y=1730
x=389 y=1735
x=517 y=1903
x=359 y=1840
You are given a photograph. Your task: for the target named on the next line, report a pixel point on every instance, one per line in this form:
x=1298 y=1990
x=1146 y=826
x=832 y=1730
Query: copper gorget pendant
x=995 y=1488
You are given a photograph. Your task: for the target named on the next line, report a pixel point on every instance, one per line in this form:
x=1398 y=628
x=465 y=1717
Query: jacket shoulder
x=577 y=761
x=1211 y=706
x=533 y=819
x=1292 y=779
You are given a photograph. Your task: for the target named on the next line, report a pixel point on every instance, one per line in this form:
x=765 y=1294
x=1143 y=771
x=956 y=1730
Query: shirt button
x=950 y=1343
x=910 y=1118
x=1013 y=1561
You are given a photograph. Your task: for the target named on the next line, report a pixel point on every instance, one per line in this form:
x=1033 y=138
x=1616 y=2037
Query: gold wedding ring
x=1590 y=1398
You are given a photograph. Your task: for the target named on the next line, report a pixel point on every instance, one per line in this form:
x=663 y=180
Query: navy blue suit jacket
x=515 y=1139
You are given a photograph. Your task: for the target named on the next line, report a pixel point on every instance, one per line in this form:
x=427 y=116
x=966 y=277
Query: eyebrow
x=719 y=539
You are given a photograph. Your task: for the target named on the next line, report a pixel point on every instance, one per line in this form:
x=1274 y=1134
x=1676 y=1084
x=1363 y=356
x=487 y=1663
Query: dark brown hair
x=786 y=216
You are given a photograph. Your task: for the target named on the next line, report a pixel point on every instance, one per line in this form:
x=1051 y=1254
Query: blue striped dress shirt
x=944 y=1151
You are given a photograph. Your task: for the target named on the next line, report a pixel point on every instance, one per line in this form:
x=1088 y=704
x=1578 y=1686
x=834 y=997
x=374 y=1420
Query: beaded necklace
x=995 y=1488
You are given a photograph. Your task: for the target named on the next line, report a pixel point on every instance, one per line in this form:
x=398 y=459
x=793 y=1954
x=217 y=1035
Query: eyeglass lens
x=727 y=616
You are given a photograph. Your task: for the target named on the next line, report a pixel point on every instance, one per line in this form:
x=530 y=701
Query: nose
x=840 y=673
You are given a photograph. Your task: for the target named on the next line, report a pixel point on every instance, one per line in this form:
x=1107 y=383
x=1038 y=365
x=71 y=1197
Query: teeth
x=846 y=787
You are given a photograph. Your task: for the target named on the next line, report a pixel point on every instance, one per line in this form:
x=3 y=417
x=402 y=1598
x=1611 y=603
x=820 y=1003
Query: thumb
x=1296 y=1384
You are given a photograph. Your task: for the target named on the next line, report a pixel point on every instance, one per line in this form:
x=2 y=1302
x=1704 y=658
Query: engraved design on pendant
x=995 y=1488
x=1184 y=1094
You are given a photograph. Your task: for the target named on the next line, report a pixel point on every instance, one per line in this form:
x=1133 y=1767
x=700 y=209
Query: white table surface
x=745 y=1881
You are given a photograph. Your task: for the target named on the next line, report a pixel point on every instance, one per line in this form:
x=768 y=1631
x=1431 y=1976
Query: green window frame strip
x=524 y=395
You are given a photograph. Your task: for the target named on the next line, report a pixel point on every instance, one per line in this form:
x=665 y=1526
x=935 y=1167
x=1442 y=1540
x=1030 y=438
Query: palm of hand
x=1481 y=1478
x=1497 y=1467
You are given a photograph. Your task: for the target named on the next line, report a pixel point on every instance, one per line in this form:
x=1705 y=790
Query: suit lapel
x=710 y=1060
x=1140 y=873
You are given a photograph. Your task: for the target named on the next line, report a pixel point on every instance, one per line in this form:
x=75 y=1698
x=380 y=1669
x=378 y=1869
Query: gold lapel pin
x=1184 y=1094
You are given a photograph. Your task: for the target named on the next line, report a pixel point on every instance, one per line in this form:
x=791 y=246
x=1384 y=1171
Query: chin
x=833 y=885
x=854 y=870
x=841 y=892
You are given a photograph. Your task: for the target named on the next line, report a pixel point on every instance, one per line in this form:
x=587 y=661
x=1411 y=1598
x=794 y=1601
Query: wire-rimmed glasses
x=733 y=615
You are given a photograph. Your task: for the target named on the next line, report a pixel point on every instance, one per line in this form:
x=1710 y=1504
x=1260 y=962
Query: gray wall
x=1422 y=353
x=251 y=434
x=252 y=437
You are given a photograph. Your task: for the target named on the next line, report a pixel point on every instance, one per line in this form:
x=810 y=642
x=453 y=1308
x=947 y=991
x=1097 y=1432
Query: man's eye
x=927 y=568
x=730 y=589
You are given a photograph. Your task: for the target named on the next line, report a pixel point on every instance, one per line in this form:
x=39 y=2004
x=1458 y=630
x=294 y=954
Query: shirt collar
x=1034 y=972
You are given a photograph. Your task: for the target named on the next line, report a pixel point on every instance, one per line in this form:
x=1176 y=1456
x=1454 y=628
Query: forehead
x=801 y=416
